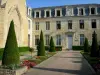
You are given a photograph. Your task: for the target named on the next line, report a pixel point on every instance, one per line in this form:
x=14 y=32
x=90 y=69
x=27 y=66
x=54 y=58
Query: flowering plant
x=28 y=64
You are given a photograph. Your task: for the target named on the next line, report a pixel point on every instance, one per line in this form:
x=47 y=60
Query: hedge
x=21 y=49
x=78 y=47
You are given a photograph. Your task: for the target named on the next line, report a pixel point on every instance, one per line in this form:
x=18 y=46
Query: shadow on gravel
x=59 y=70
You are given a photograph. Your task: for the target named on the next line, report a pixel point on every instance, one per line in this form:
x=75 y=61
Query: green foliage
x=78 y=47
x=95 y=47
x=41 y=47
x=58 y=48
x=52 y=46
x=86 y=45
x=11 y=51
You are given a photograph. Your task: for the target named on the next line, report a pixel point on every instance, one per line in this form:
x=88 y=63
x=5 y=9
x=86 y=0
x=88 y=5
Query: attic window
x=92 y=10
x=47 y=14
x=58 y=12
x=37 y=14
x=81 y=11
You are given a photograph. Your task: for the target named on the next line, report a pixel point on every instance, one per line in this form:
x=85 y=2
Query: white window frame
x=60 y=12
x=46 y=11
x=39 y=13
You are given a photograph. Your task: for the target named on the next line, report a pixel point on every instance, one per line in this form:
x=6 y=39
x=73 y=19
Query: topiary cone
x=11 y=51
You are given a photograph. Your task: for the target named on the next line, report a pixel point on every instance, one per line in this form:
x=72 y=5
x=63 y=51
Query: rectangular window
x=37 y=25
x=47 y=39
x=58 y=25
x=92 y=10
x=58 y=40
x=69 y=24
x=47 y=14
x=81 y=22
x=81 y=39
x=81 y=11
x=58 y=12
x=37 y=14
x=47 y=25
x=29 y=40
x=93 y=23
x=29 y=24
x=36 y=39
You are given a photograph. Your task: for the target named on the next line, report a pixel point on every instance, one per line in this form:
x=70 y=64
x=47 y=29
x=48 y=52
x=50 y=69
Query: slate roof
x=76 y=5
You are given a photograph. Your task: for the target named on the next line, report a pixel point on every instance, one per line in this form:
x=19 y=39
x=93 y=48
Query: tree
x=11 y=50
x=95 y=47
x=86 y=45
x=52 y=46
x=41 y=47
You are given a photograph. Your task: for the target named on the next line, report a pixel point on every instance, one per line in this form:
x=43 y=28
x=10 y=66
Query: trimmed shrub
x=11 y=51
x=78 y=47
x=41 y=48
x=86 y=45
x=58 y=48
x=52 y=46
x=94 y=47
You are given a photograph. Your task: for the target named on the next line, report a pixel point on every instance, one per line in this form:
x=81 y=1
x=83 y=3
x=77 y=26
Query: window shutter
x=75 y=11
x=87 y=11
x=53 y=12
x=63 y=11
x=32 y=13
x=42 y=13
x=98 y=10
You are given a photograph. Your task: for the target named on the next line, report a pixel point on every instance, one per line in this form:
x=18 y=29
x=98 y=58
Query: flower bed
x=31 y=62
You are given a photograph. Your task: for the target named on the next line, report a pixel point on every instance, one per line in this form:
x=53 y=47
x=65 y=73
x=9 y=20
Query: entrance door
x=70 y=41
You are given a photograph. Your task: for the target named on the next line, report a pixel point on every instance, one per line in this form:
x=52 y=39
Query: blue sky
x=46 y=3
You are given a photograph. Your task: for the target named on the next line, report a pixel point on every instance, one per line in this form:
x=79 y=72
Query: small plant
x=31 y=50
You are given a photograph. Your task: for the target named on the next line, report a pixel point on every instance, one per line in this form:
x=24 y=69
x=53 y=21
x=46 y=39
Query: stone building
x=68 y=24
x=13 y=10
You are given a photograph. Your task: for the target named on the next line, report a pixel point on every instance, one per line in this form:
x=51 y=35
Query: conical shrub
x=11 y=52
x=95 y=47
x=86 y=45
x=41 y=47
x=52 y=46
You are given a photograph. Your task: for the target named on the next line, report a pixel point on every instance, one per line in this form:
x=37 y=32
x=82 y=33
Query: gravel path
x=63 y=63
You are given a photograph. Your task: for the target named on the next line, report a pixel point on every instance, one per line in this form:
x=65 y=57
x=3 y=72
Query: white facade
x=69 y=28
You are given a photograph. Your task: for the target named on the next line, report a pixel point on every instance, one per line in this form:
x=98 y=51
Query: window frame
x=81 y=23
x=47 y=25
x=58 y=25
x=94 y=22
x=69 y=24
x=37 y=25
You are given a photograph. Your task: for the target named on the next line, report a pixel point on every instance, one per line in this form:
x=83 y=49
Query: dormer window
x=58 y=12
x=81 y=11
x=93 y=11
x=47 y=13
x=37 y=14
